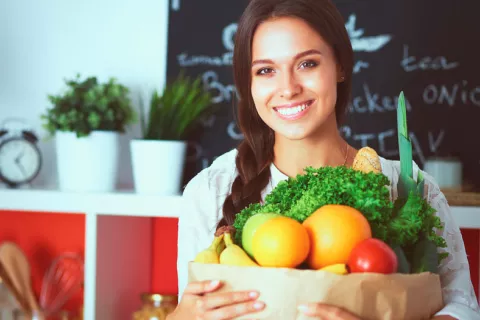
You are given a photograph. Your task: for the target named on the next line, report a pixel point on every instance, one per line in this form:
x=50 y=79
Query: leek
x=423 y=256
x=406 y=183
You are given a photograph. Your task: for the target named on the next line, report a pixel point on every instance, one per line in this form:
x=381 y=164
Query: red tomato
x=373 y=255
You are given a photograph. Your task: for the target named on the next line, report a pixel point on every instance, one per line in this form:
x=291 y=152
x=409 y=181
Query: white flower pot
x=158 y=166
x=88 y=164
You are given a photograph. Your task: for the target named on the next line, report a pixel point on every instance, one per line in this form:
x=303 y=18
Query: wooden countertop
x=467 y=199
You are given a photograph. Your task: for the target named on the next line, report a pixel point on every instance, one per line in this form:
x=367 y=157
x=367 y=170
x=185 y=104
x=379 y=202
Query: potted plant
x=87 y=120
x=158 y=157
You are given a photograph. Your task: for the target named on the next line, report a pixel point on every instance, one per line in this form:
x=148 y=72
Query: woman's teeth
x=294 y=110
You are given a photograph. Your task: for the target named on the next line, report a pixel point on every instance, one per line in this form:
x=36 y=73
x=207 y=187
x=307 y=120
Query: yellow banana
x=339 y=268
x=234 y=255
x=221 y=246
x=367 y=160
x=212 y=253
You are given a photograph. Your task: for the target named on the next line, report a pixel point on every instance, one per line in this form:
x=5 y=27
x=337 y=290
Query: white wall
x=43 y=42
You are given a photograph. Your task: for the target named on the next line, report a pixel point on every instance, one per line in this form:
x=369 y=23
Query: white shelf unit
x=118 y=242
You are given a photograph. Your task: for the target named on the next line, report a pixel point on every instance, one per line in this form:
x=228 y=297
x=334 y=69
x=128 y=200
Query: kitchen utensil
x=9 y=290
x=16 y=266
x=7 y=302
x=62 y=280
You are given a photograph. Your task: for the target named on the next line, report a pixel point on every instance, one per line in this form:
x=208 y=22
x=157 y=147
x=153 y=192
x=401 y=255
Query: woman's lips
x=293 y=111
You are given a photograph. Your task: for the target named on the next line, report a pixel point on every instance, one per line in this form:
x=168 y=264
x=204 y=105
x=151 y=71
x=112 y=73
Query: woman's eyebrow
x=297 y=56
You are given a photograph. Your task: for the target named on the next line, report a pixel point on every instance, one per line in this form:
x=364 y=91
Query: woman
x=293 y=65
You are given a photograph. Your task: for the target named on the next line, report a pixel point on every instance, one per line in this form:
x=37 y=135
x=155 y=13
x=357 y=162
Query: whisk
x=61 y=281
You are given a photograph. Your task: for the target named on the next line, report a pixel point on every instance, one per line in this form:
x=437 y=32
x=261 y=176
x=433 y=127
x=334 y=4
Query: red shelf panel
x=44 y=236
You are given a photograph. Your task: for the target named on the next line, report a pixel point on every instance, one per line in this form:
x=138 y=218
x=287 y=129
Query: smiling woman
x=293 y=64
x=297 y=82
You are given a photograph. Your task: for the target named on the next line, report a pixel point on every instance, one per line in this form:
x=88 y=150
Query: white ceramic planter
x=158 y=166
x=88 y=164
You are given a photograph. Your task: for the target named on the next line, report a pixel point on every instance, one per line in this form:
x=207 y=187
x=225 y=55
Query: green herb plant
x=175 y=113
x=406 y=224
x=88 y=105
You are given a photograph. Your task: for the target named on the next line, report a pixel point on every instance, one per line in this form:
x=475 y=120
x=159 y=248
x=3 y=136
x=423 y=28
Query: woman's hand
x=218 y=306
x=326 y=312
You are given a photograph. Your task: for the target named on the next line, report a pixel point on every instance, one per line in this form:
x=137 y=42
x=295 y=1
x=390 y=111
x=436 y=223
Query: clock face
x=19 y=161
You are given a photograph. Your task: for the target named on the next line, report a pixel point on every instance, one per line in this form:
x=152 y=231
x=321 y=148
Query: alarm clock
x=20 y=158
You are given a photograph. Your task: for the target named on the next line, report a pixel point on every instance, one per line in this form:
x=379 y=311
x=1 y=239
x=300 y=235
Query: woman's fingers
x=217 y=300
x=235 y=310
x=222 y=306
x=201 y=287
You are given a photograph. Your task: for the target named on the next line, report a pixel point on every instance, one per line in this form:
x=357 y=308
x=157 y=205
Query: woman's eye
x=264 y=71
x=308 y=64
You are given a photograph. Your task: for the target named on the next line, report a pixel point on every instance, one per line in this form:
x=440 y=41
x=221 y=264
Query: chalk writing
x=387 y=141
x=359 y=65
x=233 y=131
x=223 y=92
x=370 y=102
x=382 y=138
x=361 y=43
x=434 y=142
x=228 y=35
x=184 y=60
x=410 y=63
x=452 y=95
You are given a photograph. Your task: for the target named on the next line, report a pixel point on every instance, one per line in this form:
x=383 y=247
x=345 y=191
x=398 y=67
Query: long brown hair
x=255 y=152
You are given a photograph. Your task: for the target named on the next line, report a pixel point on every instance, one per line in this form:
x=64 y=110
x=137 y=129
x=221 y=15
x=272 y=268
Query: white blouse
x=205 y=193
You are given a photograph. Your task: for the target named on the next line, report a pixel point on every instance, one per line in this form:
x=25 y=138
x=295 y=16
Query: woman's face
x=294 y=78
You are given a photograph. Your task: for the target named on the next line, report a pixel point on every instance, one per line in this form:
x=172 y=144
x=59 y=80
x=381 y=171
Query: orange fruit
x=280 y=242
x=334 y=230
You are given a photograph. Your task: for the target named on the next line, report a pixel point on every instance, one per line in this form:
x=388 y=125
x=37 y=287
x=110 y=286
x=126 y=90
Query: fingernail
x=214 y=283
x=253 y=294
x=258 y=305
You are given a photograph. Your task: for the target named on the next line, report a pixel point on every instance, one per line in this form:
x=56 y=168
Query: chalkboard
x=428 y=49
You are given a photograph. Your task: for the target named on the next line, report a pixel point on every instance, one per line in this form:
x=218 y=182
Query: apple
x=251 y=226
x=372 y=255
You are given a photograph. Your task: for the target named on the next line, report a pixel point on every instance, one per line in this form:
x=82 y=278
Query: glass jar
x=21 y=315
x=155 y=306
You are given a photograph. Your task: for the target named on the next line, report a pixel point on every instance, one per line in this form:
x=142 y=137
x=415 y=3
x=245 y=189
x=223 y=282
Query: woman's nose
x=289 y=86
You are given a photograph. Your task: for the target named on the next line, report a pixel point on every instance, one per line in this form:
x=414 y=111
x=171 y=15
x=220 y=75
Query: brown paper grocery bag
x=369 y=296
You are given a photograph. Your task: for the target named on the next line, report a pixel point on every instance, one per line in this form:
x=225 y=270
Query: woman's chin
x=292 y=133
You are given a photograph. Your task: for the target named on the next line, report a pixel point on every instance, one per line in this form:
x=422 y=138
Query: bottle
x=155 y=306
x=21 y=315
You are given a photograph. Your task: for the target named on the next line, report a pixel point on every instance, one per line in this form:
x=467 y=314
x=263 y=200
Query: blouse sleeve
x=458 y=294
x=196 y=225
